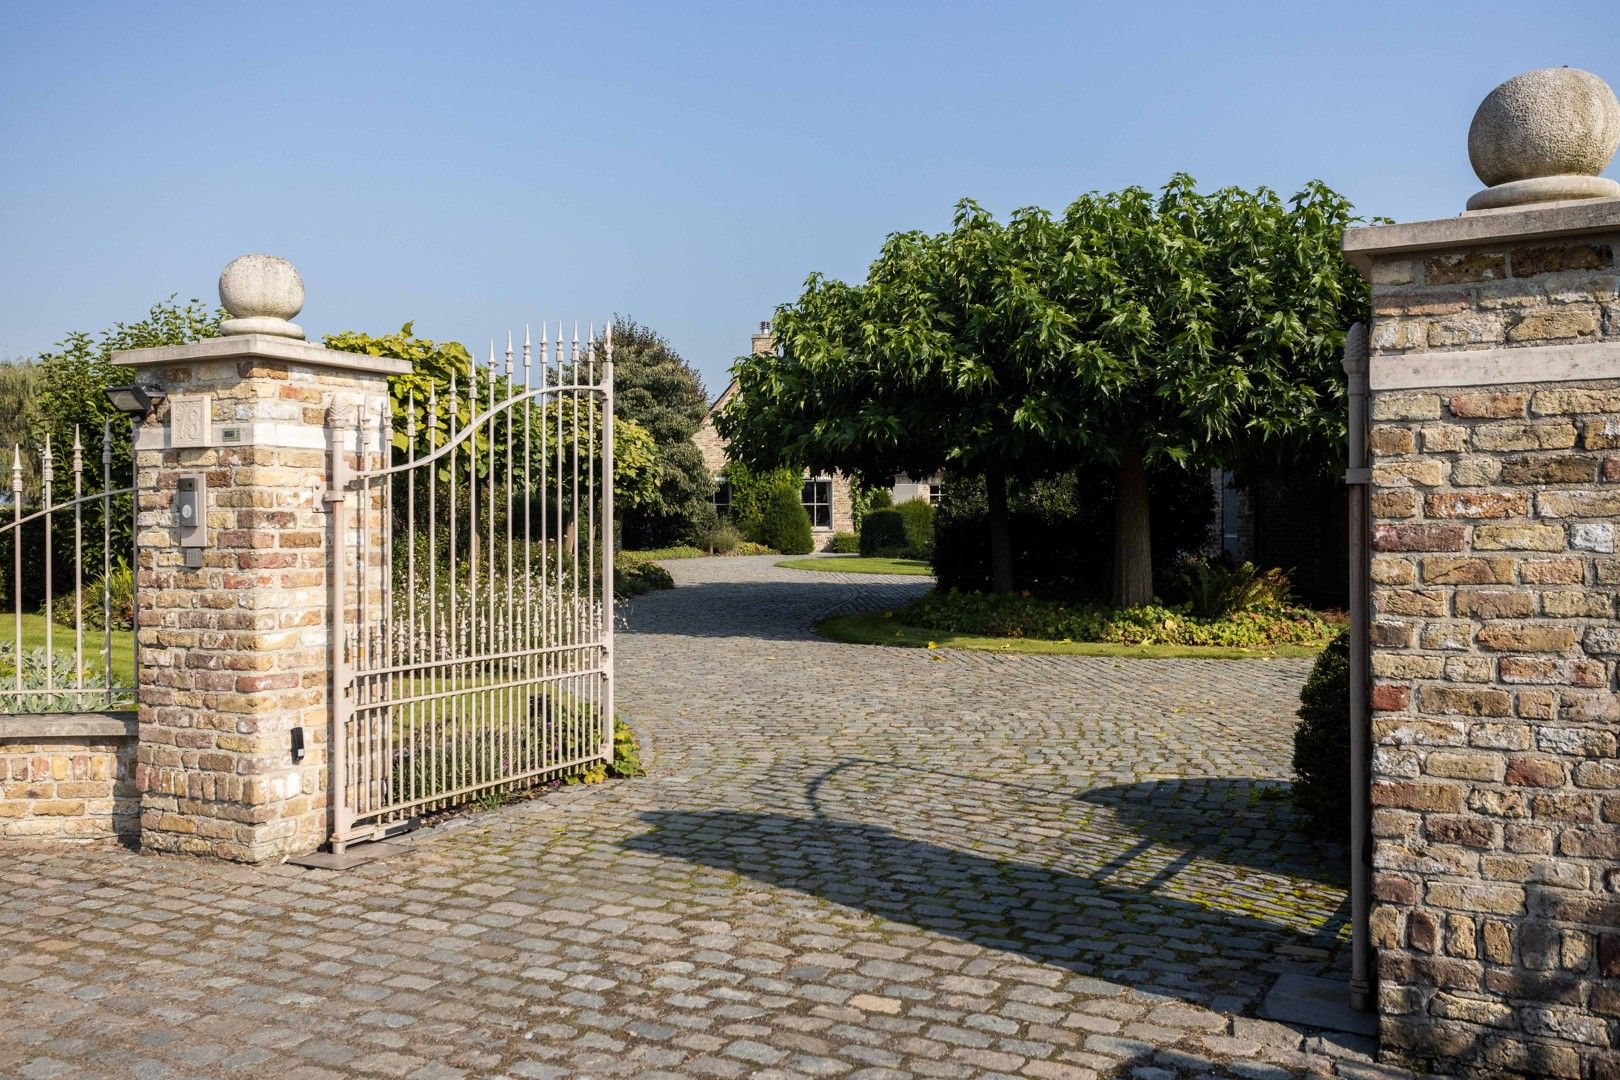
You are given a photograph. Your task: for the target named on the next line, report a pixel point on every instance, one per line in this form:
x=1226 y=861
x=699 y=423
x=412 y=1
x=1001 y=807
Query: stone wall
x=68 y=780
x=1496 y=784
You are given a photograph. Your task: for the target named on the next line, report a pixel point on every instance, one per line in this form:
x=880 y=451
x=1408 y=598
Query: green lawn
x=860 y=564
x=871 y=628
x=33 y=637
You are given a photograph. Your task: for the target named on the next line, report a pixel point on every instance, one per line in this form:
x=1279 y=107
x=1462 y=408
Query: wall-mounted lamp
x=136 y=402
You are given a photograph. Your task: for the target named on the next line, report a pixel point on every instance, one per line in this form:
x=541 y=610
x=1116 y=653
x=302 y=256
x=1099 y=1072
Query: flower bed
x=1023 y=616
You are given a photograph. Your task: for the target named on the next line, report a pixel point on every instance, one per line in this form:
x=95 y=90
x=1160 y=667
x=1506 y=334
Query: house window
x=721 y=499
x=936 y=492
x=817 y=501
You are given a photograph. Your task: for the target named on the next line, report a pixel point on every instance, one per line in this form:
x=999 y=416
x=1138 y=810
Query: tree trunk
x=1133 y=550
x=1001 y=568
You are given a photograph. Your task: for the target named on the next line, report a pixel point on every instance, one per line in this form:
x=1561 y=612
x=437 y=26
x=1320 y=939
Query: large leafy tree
x=950 y=355
x=657 y=389
x=1211 y=326
x=1137 y=329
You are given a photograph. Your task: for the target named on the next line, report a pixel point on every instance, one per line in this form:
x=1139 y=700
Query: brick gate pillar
x=234 y=667
x=1495 y=441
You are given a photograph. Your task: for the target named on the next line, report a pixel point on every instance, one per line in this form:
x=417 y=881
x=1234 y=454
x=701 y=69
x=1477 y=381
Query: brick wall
x=1496 y=783
x=67 y=787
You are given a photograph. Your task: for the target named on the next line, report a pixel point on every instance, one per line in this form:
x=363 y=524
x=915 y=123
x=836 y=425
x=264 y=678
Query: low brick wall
x=68 y=778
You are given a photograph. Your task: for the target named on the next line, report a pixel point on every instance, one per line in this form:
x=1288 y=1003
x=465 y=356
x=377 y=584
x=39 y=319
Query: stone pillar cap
x=261 y=292
x=1544 y=136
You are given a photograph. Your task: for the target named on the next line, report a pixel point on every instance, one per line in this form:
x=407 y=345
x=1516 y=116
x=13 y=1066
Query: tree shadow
x=1241 y=821
x=1135 y=934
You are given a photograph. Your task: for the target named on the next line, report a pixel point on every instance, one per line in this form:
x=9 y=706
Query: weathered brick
x=1526 y=637
x=1486 y=405
x=1466 y=266
x=1425 y=537
x=1495 y=603
x=1550 y=469
x=1534 y=772
x=1516 y=537
x=1560 y=258
x=1465 y=701
x=1575 y=401
x=1528 y=435
x=1565 y=323
x=1477 y=504
x=1448 y=570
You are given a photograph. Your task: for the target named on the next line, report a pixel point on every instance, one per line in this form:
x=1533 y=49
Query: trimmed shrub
x=844 y=543
x=783 y=524
x=1322 y=743
x=917 y=518
x=883 y=532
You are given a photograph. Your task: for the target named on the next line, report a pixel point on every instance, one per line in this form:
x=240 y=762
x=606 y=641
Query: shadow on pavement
x=1132 y=936
x=1242 y=821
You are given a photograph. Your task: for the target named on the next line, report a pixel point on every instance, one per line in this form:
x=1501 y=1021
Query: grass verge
x=871 y=628
x=860 y=564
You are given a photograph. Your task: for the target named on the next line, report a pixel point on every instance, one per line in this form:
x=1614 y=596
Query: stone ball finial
x=1544 y=136
x=261 y=292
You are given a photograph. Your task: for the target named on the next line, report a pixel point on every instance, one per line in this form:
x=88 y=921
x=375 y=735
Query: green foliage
x=844 y=543
x=906 y=530
x=42 y=668
x=634 y=576
x=752 y=491
x=626 y=761
x=1023 y=616
x=714 y=536
x=783 y=524
x=883 y=532
x=422 y=400
x=658 y=390
x=21 y=382
x=112 y=594
x=1137 y=328
x=445 y=390
x=917 y=520
x=1214 y=590
x=1322 y=743
x=864 y=498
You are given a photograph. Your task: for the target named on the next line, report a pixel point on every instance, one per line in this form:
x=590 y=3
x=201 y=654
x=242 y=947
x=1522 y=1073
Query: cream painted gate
x=472 y=589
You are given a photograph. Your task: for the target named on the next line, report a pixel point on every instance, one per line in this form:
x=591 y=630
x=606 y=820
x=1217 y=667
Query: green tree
x=1137 y=330
x=75 y=375
x=1210 y=327
x=950 y=355
x=657 y=389
x=20 y=419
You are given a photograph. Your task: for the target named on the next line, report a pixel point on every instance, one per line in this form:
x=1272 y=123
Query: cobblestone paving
x=847 y=861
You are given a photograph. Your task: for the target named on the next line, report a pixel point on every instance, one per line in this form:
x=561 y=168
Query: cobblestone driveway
x=847 y=861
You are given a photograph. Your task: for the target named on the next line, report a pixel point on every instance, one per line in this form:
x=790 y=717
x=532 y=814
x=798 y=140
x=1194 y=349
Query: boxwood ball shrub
x=783 y=524
x=1322 y=743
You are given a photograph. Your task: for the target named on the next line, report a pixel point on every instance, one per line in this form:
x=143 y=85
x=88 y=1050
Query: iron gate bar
x=73 y=686
x=488 y=686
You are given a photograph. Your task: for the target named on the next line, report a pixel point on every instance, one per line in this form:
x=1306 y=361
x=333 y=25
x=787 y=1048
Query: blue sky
x=473 y=166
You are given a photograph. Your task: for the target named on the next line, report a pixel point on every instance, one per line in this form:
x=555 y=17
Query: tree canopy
x=1135 y=329
x=655 y=388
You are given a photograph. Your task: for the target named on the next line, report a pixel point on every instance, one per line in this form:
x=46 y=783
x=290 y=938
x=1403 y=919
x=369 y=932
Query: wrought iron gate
x=472 y=580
